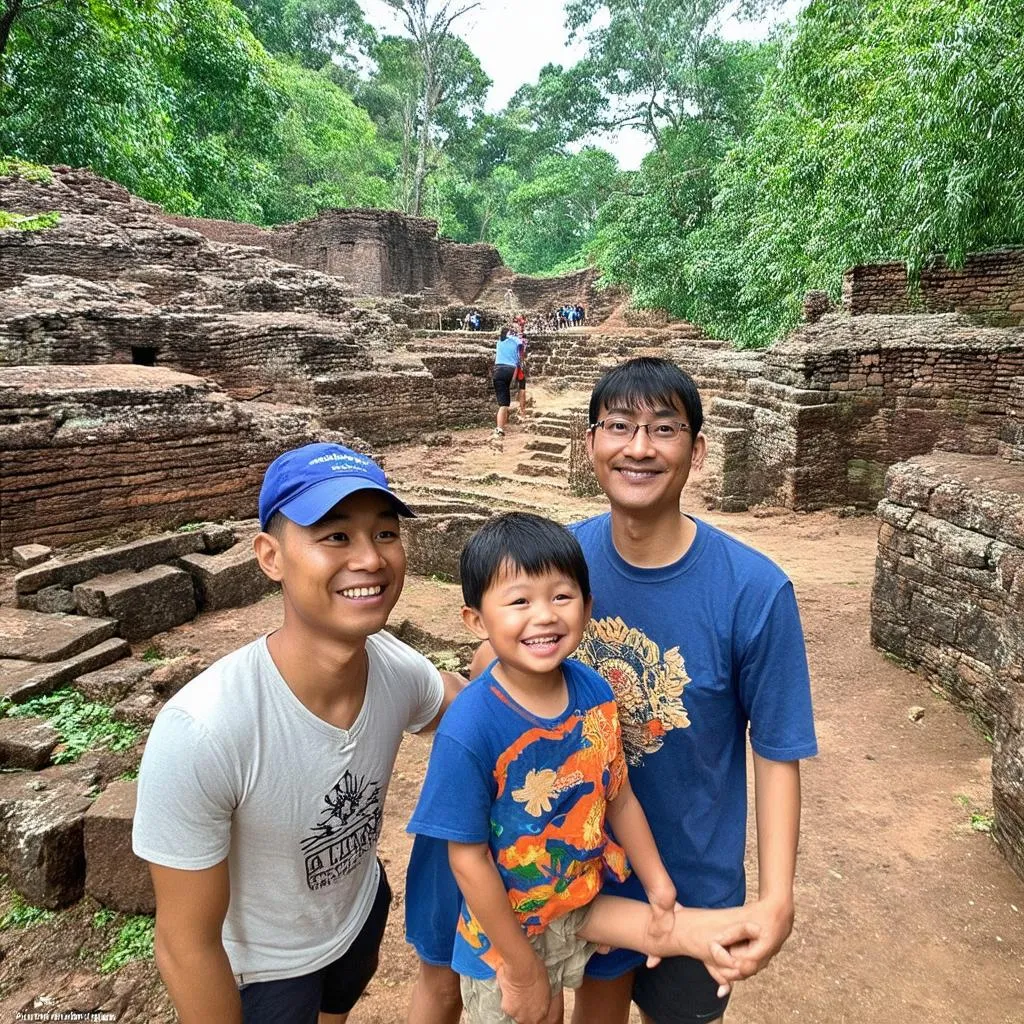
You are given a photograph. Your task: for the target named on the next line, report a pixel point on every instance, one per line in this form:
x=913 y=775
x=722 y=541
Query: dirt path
x=904 y=911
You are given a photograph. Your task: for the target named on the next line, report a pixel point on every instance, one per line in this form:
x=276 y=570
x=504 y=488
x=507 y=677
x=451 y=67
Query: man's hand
x=525 y=993
x=775 y=919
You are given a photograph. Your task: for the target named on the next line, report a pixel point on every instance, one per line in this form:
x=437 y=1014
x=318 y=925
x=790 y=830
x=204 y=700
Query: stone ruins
x=151 y=366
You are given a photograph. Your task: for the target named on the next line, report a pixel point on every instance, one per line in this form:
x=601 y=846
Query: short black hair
x=524 y=542
x=649 y=381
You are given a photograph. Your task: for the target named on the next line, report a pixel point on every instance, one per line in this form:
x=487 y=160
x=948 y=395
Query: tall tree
x=647 y=56
x=312 y=32
x=442 y=63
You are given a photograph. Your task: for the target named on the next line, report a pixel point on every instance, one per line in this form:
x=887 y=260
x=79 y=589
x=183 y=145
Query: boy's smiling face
x=341 y=576
x=533 y=622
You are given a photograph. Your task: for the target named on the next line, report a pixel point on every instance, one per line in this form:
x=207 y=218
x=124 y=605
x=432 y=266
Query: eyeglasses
x=622 y=431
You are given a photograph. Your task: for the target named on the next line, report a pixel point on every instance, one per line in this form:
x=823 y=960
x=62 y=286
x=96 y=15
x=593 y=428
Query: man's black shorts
x=678 y=991
x=332 y=989
x=503 y=375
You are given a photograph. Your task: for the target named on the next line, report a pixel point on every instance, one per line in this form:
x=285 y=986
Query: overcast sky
x=514 y=39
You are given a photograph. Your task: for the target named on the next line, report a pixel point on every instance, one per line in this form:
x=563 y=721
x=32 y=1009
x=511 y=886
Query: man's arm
x=453 y=684
x=523 y=978
x=190 y=911
x=777 y=800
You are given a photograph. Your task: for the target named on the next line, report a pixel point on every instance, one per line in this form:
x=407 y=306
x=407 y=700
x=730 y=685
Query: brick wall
x=948 y=601
x=93 y=449
x=990 y=282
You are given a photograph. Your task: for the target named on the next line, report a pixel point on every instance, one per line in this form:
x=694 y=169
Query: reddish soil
x=904 y=911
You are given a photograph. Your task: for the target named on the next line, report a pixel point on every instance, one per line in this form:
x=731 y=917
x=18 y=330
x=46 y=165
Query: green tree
x=449 y=83
x=311 y=32
x=549 y=219
x=891 y=131
x=328 y=154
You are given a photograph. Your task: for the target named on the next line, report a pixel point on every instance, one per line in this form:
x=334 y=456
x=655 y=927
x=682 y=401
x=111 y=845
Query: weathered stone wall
x=89 y=449
x=840 y=400
x=948 y=600
x=989 y=282
x=1011 y=445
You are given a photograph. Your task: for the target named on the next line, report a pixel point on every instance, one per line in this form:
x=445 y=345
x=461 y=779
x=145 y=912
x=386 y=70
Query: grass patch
x=29 y=222
x=441 y=577
x=189 y=527
x=23 y=915
x=134 y=941
x=129 y=776
x=154 y=656
x=103 y=917
x=11 y=167
x=982 y=821
x=81 y=724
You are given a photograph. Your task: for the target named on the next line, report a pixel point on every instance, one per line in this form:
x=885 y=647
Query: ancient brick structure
x=836 y=403
x=948 y=600
x=989 y=282
x=91 y=448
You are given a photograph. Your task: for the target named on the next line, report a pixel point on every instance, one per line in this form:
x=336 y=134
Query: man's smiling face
x=644 y=473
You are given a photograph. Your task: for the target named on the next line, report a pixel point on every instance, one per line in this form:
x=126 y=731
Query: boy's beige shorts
x=564 y=954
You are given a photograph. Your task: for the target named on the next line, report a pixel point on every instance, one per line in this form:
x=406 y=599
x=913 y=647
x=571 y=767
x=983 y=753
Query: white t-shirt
x=236 y=766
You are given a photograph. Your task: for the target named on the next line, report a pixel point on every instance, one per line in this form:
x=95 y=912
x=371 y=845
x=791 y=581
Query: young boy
x=263 y=782
x=526 y=767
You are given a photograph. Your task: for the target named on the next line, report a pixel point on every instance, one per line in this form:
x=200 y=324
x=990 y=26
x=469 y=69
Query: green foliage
x=103 y=917
x=10 y=167
x=310 y=32
x=26 y=222
x=81 y=724
x=23 y=915
x=329 y=153
x=134 y=941
x=889 y=130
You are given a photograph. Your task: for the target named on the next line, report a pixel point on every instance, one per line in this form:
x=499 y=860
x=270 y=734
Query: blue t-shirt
x=535 y=790
x=507 y=353
x=695 y=652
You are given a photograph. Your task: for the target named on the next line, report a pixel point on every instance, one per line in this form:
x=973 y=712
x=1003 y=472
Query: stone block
x=109 y=685
x=26 y=743
x=113 y=874
x=138 y=709
x=51 y=600
x=32 y=636
x=136 y=556
x=433 y=543
x=41 y=833
x=217 y=537
x=23 y=680
x=26 y=555
x=144 y=603
x=169 y=678
x=230 y=579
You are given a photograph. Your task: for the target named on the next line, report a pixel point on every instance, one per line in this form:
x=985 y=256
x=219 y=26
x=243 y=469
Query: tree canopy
x=866 y=130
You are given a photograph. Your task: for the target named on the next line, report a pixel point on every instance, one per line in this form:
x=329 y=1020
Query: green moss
x=29 y=222
x=23 y=915
x=10 y=167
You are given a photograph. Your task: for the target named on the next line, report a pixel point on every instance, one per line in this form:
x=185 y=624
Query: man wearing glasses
x=700 y=638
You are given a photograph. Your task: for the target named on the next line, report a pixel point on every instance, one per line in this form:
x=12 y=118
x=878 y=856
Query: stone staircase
x=549 y=448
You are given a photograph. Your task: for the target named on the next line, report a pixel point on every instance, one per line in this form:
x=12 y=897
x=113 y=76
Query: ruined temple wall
x=393 y=405
x=990 y=282
x=466 y=270
x=90 y=449
x=948 y=601
x=1011 y=441
x=872 y=391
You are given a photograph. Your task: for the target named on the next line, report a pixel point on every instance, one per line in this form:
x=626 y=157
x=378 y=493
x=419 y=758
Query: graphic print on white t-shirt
x=349 y=826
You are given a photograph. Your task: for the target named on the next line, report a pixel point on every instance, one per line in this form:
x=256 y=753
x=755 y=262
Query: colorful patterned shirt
x=536 y=790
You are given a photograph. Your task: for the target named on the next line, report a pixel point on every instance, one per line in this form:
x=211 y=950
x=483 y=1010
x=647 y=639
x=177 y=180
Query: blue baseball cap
x=304 y=484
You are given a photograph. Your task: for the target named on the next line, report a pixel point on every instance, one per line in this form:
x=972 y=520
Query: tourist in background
x=506 y=362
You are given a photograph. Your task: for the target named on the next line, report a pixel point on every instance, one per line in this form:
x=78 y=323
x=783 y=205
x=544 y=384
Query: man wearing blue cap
x=262 y=786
